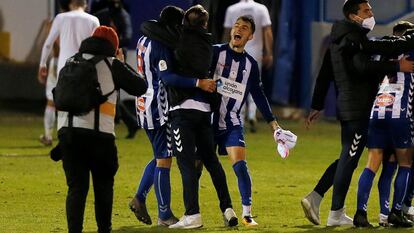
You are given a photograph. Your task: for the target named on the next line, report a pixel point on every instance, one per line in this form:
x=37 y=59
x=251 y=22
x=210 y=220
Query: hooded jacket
x=192 y=51
x=192 y=47
x=356 y=75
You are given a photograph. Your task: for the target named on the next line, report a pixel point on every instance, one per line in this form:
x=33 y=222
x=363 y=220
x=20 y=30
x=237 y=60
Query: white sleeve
x=228 y=19
x=96 y=23
x=265 y=17
x=51 y=38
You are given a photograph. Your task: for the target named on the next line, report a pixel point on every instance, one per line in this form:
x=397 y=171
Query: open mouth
x=237 y=37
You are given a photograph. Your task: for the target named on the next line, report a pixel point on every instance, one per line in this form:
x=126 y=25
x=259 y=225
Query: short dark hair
x=171 y=15
x=401 y=27
x=196 y=16
x=64 y=5
x=249 y=19
x=351 y=7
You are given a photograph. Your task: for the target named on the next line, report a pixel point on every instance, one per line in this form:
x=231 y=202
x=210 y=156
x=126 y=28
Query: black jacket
x=123 y=75
x=192 y=47
x=323 y=82
x=194 y=52
x=120 y=20
x=356 y=75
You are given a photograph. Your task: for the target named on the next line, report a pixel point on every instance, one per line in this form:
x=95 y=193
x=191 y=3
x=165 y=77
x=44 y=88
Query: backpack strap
x=110 y=68
x=70 y=120
x=96 y=120
x=70 y=127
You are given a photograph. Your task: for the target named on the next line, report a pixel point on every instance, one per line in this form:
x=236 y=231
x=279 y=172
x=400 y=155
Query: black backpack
x=77 y=90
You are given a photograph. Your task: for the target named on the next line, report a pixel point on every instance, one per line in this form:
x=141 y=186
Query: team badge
x=162 y=65
x=141 y=104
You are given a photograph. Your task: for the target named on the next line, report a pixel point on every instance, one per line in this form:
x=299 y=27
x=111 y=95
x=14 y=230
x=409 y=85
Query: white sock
x=247 y=210
x=49 y=121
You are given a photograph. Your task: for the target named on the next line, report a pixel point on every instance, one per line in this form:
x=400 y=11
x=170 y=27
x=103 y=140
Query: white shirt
x=261 y=17
x=72 y=28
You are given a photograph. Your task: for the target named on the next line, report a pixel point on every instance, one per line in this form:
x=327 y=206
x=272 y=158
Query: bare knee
x=374 y=159
x=165 y=163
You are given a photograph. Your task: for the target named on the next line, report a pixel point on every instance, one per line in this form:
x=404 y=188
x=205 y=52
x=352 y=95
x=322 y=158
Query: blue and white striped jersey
x=394 y=98
x=151 y=107
x=237 y=75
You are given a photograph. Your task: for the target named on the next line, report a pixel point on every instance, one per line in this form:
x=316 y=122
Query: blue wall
x=142 y=10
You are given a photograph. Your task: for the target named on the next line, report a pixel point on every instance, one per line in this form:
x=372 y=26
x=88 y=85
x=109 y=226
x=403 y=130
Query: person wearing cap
x=87 y=149
x=69 y=29
x=237 y=75
x=356 y=77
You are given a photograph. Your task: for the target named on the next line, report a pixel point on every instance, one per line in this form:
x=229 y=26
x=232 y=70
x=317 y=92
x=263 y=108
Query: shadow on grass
x=145 y=229
x=315 y=229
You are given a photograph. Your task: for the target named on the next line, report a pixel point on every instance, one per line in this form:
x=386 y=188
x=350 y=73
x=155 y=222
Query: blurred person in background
x=71 y=28
x=116 y=17
x=49 y=117
x=260 y=47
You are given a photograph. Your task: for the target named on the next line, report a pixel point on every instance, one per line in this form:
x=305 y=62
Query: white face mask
x=368 y=23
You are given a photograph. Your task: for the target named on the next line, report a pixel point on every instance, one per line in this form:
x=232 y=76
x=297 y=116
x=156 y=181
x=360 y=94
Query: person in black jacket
x=194 y=51
x=87 y=142
x=356 y=77
x=192 y=135
x=191 y=43
x=116 y=17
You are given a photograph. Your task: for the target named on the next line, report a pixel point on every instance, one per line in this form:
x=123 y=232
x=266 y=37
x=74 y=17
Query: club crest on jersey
x=384 y=100
x=141 y=104
x=162 y=65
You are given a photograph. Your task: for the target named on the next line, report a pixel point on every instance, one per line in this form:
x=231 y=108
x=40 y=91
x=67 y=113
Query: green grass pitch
x=33 y=189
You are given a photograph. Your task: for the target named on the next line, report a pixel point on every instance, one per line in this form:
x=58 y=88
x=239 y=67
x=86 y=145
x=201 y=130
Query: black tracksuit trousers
x=339 y=173
x=86 y=152
x=193 y=140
